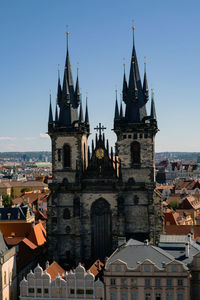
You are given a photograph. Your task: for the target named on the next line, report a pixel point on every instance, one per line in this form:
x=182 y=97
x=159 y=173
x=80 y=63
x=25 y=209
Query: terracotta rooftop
x=183 y=230
x=96 y=268
x=54 y=269
x=188 y=184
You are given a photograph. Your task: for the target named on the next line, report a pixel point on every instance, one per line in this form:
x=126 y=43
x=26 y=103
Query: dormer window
x=8 y=215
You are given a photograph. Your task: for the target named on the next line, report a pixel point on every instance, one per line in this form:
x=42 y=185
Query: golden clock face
x=100 y=153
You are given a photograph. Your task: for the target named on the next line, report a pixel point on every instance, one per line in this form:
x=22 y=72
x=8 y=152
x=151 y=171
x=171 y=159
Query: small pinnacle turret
x=50 y=113
x=145 y=86
x=77 y=92
x=86 y=114
x=116 y=109
x=153 y=110
x=81 y=113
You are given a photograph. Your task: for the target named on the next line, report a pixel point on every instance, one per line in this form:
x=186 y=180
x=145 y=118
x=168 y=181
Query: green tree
x=26 y=189
x=7 y=200
x=173 y=205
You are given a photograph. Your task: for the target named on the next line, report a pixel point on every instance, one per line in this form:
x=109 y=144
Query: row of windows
x=135 y=154
x=136 y=136
x=148 y=282
x=38 y=291
x=148 y=296
x=81 y=291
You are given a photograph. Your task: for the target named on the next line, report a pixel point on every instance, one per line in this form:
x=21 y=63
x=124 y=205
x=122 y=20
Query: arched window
x=135 y=153
x=66 y=213
x=66 y=156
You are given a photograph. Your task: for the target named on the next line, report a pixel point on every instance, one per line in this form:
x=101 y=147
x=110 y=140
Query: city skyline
x=34 y=43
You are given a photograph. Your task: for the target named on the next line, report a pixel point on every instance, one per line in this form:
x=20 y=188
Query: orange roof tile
x=54 y=269
x=38 y=235
x=96 y=268
x=183 y=230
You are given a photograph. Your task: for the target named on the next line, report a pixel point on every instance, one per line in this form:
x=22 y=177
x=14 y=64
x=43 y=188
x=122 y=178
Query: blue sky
x=33 y=44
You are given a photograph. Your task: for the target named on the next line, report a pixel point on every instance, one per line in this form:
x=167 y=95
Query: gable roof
x=54 y=269
x=133 y=253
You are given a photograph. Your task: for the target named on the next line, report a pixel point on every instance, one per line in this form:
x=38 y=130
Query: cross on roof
x=100 y=128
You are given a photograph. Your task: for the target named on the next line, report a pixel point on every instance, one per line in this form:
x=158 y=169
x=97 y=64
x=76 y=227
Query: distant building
x=141 y=271
x=19 y=214
x=55 y=283
x=8 y=276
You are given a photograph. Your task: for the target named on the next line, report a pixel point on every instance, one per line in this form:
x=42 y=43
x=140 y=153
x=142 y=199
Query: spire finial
x=124 y=63
x=133 y=29
x=145 y=64
x=77 y=68
x=67 y=34
x=58 y=71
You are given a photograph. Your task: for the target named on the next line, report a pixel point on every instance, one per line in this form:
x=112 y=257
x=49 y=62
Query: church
x=101 y=197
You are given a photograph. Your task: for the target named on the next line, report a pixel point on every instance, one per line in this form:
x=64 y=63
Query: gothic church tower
x=99 y=198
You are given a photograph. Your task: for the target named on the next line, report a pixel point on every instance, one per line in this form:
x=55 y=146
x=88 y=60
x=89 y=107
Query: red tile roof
x=54 y=269
x=96 y=268
x=183 y=230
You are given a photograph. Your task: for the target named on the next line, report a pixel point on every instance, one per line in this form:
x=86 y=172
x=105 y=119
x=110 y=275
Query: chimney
x=47 y=264
x=189 y=237
x=187 y=250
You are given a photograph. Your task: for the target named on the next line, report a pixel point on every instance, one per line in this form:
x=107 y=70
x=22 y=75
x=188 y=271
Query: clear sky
x=33 y=44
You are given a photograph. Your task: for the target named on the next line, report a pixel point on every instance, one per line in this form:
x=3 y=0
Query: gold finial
x=133 y=27
x=145 y=63
x=67 y=32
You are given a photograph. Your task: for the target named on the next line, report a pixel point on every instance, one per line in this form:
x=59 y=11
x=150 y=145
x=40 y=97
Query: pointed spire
x=107 y=146
x=145 y=85
x=81 y=113
x=121 y=109
x=125 y=88
x=50 y=112
x=133 y=90
x=116 y=108
x=153 y=110
x=92 y=147
x=56 y=114
x=68 y=70
x=59 y=90
x=86 y=113
x=77 y=91
x=88 y=154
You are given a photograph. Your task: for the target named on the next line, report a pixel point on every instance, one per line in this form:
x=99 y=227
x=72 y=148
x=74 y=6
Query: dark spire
x=133 y=90
x=67 y=93
x=153 y=110
x=116 y=109
x=92 y=147
x=81 y=113
x=107 y=146
x=135 y=100
x=121 y=110
x=86 y=113
x=145 y=85
x=88 y=154
x=77 y=91
x=59 y=90
x=50 y=112
x=68 y=70
x=56 y=114
x=125 y=88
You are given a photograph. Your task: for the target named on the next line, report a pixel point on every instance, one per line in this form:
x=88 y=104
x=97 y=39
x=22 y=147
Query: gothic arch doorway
x=101 y=229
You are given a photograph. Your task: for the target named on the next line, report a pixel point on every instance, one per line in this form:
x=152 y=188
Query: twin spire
x=135 y=95
x=68 y=101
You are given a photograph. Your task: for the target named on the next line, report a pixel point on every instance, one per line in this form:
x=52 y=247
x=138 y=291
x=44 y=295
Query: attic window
x=8 y=215
x=18 y=216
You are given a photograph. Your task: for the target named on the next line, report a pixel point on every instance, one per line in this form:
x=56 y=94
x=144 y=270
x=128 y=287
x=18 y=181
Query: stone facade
x=100 y=199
